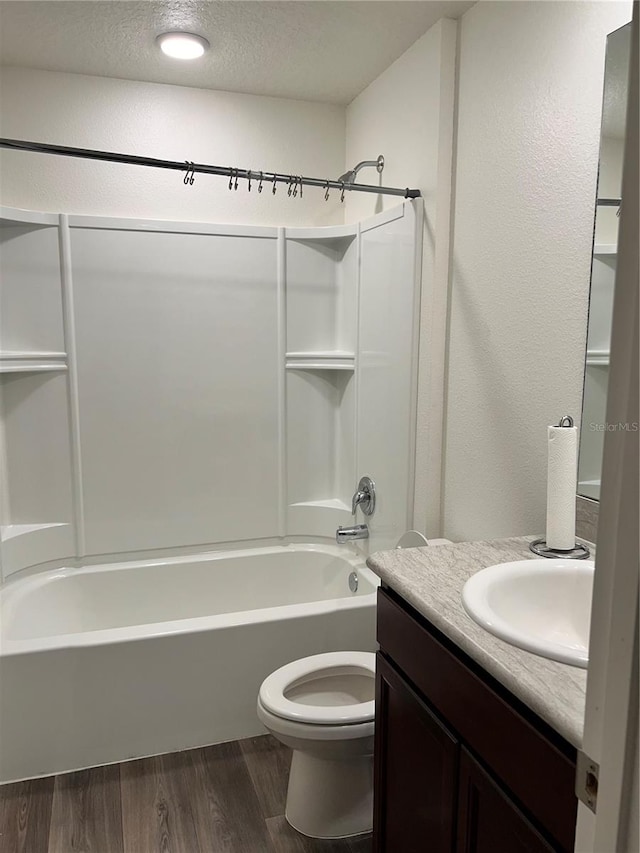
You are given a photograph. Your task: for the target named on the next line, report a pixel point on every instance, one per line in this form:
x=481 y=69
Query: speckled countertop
x=431 y=580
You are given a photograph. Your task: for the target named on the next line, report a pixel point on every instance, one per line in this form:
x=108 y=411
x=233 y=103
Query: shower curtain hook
x=326 y=192
x=295 y=186
x=235 y=182
x=260 y=183
x=300 y=179
x=290 y=187
x=342 y=191
x=249 y=179
x=273 y=189
x=189 y=173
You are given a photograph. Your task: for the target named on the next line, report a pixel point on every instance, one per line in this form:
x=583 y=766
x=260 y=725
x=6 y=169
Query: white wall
x=406 y=114
x=168 y=122
x=530 y=96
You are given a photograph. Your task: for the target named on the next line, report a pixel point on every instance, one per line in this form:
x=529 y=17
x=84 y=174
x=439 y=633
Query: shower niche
x=321 y=299
x=36 y=512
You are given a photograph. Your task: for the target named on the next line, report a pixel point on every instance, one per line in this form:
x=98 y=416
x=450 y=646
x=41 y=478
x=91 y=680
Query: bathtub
x=105 y=663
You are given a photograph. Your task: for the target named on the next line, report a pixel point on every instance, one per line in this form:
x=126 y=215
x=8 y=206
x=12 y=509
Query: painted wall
x=169 y=122
x=406 y=114
x=530 y=97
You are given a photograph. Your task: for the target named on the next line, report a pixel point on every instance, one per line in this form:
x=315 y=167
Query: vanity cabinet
x=417 y=759
x=461 y=765
x=488 y=819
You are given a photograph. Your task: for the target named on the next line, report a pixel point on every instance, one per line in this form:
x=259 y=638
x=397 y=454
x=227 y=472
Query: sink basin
x=543 y=606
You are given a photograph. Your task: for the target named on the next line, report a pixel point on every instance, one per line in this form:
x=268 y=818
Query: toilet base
x=330 y=798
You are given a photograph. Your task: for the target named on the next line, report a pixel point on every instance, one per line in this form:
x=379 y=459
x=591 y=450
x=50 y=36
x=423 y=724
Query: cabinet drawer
x=536 y=771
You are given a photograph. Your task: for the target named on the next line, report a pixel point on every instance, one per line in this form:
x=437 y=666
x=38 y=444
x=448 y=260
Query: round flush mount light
x=180 y=45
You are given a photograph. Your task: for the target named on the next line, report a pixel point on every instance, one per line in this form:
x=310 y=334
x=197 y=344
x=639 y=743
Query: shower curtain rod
x=294 y=182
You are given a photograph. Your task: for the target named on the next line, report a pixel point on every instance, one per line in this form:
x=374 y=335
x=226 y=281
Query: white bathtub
x=110 y=662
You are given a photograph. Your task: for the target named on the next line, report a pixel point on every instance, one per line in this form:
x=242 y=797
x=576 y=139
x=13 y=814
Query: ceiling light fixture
x=179 y=45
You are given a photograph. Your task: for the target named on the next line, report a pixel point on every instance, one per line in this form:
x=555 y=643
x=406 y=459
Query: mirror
x=603 y=264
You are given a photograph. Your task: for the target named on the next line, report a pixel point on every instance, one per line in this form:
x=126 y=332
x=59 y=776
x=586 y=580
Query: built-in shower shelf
x=29 y=544
x=326 y=234
x=10 y=531
x=11 y=217
x=318 y=518
x=32 y=362
x=330 y=503
x=329 y=360
x=605 y=249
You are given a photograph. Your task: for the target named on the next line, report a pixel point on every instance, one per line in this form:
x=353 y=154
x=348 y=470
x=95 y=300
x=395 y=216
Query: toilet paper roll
x=562 y=471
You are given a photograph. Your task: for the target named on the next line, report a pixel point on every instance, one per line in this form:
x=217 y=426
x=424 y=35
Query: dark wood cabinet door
x=416 y=761
x=488 y=821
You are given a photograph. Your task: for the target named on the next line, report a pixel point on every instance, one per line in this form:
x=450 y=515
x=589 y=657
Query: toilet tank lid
x=415 y=539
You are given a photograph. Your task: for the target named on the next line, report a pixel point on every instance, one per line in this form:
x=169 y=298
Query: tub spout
x=347 y=534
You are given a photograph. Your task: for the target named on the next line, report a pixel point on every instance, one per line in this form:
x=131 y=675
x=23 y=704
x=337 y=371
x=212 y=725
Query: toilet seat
x=273 y=693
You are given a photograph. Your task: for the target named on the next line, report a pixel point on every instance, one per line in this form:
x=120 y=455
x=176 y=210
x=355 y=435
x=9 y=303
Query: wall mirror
x=603 y=264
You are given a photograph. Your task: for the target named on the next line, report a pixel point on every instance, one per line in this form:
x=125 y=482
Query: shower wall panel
x=388 y=341
x=177 y=360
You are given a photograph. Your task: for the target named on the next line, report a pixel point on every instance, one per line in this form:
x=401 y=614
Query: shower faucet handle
x=365 y=497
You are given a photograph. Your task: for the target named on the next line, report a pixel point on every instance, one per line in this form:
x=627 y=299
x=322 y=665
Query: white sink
x=543 y=606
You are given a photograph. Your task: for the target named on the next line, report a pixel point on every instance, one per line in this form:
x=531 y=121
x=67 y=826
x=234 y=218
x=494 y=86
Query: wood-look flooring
x=227 y=798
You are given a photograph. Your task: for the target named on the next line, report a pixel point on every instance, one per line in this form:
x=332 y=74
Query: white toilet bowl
x=323 y=708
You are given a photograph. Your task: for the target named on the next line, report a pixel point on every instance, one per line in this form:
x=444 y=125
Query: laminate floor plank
x=25 y=816
x=86 y=815
x=226 y=807
x=268 y=761
x=156 y=805
x=287 y=840
x=228 y=798
x=361 y=844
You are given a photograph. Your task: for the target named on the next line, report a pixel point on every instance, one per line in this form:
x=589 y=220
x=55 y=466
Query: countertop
x=430 y=579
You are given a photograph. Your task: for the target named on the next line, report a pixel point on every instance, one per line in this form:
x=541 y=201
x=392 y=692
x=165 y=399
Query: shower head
x=350 y=176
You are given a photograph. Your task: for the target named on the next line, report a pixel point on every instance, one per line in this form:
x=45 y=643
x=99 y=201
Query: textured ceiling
x=322 y=50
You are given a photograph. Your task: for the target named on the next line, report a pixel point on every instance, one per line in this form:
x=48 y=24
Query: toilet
x=323 y=708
